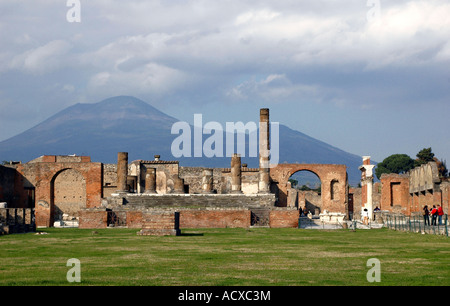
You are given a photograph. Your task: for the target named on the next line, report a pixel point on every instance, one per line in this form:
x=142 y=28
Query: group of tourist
x=436 y=214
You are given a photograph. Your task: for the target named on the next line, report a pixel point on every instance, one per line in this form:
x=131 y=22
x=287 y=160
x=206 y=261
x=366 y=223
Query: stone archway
x=68 y=194
x=333 y=179
x=306 y=191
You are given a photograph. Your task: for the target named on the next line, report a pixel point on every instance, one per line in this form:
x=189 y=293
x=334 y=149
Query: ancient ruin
x=160 y=197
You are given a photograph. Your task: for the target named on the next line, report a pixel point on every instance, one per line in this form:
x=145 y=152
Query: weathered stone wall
x=284 y=218
x=16 y=220
x=69 y=194
x=42 y=176
x=395 y=193
x=109 y=179
x=221 y=179
x=92 y=218
x=159 y=223
x=333 y=179
x=215 y=218
x=196 y=201
x=193 y=177
x=311 y=200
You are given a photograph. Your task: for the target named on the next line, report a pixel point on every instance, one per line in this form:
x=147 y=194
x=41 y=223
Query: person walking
x=426 y=215
x=433 y=215
x=440 y=213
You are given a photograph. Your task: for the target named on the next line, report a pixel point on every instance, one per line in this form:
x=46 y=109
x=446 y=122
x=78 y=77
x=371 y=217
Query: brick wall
x=196 y=201
x=160 y=223
x=215 y=218
x=93 y=219
x=395 y=193
x=284 y=218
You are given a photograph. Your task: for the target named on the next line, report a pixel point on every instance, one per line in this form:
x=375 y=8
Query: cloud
x=243 y=51
x=43 y=59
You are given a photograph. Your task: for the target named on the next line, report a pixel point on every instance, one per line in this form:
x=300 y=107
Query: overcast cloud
x=369 y=84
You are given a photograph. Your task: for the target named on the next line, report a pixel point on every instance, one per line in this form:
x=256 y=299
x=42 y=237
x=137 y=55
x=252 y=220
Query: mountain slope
x=127 y=124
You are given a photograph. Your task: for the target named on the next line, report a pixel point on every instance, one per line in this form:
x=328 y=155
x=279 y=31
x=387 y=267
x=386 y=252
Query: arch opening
x=68 y=195
x=305 y=192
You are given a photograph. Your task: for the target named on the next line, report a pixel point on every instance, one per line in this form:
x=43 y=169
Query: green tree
x=424 y=156
x=396 y=163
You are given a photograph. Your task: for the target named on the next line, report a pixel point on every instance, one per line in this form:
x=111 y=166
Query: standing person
x=433 y=215
x=440 y=213
x=426 y=215
x=365 y=216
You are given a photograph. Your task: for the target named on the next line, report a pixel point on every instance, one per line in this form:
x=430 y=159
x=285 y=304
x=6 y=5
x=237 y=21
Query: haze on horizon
x=369 y=77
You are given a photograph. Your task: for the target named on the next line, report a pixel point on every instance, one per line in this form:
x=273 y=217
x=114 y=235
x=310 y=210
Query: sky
x=370 y=77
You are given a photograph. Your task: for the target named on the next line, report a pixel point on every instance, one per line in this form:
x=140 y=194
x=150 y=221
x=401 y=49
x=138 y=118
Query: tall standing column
x=207 y=181
x=122 y=172
x=236 y=186
x=264 y=151
x=367 y=185
x=150 y=181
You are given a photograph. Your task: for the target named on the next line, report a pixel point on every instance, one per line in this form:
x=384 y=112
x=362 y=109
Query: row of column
x=150 y=177
x=207 y=175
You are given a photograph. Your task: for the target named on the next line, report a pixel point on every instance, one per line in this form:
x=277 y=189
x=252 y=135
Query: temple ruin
x=160 y=197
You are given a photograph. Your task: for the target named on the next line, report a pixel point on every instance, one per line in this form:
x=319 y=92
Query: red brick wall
x=395 y=188
x=41 y=175
x=93 y=219
x=134 y=219
x=215 y=218
x=284 y=218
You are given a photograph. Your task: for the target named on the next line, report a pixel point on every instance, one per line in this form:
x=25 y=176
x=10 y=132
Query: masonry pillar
x=150 y=181
x=367 y=185
x=264 y=151
x=178 y=185
x=207 y=181
x=236 y=179
x=122 y=172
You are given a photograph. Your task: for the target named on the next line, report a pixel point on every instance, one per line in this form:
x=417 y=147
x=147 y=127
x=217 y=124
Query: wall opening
x=305 y=192
x=68 y=192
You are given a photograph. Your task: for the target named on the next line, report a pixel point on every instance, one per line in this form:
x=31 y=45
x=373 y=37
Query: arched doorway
x=334 y=184
x=305 y=192
x=68 y=195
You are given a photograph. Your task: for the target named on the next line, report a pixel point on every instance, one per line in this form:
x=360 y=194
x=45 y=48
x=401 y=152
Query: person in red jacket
x=440 y=213
x=433 y=214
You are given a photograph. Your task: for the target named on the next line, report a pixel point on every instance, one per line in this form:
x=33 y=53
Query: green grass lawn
x=225 y=257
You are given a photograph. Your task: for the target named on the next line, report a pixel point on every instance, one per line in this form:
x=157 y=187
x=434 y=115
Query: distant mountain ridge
x=127 y=124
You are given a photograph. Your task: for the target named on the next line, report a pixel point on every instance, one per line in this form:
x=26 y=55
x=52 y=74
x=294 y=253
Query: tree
x=396 y=163
x=424 y=157
x=442 y=167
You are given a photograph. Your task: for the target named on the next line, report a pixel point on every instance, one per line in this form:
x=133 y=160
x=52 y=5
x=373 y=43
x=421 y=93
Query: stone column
x=236 y=186
x=122 y=172
x=178 y=185
x=264 y=151
x=150 y=181
x=207 y=181
x=367 y=185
